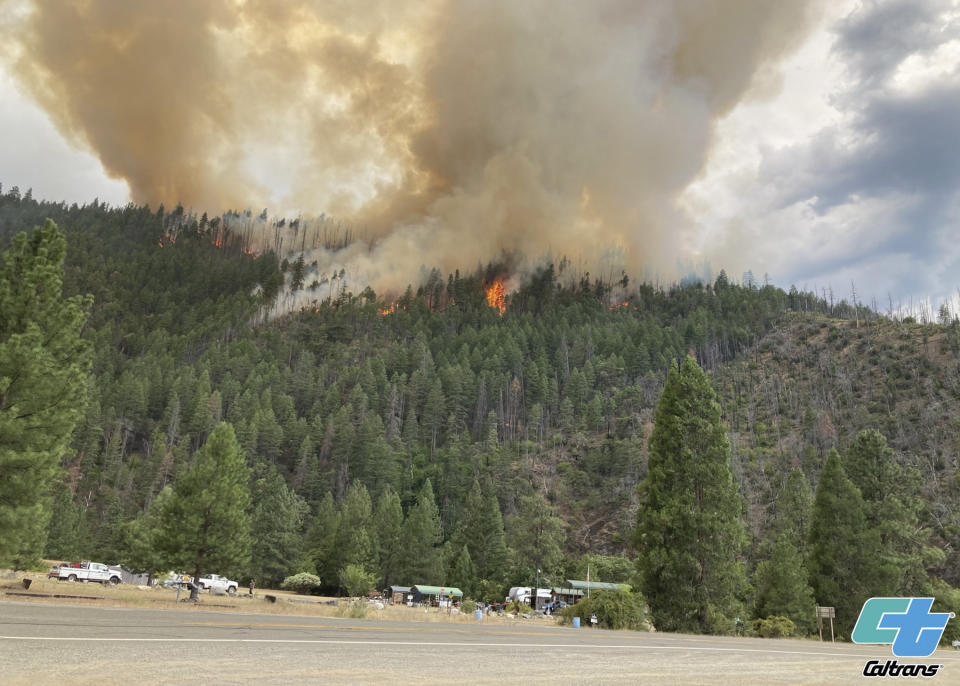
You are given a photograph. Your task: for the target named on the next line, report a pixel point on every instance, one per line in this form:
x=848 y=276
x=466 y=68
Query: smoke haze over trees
x=378 y=434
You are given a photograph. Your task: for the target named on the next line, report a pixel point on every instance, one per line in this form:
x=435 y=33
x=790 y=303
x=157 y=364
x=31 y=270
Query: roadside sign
x=825 y=612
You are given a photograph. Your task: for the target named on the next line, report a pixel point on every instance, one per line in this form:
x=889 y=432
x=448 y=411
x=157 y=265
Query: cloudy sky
x=837 y=160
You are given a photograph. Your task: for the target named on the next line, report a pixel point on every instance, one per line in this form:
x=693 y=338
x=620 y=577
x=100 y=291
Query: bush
x=302 y=583
x=356 y=580
x=774 y=626
x=355 y=608
x=614 y=610
x=468 y=607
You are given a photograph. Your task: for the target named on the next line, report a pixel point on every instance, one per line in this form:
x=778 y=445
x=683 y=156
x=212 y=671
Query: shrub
x=774 y=626
x=614 y=610
x=356 y=580
x=302 y=583
x=354 y=608
x=468 y=606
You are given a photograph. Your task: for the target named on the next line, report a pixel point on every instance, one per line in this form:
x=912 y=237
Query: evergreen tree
x=536 y=539
x=893 y=508
x=782 y=587
x=321 y=539
x=842 y=549
x=277 y=531
x=355 y=542
x=110 y=541
x=43 y=379
x=66 y=534
x=143 y=553
x=463 y=574
x=206 y=526
x=790 y=513
x=388 y=524
x=421 y=559
x=689 y=532
x=481 y=531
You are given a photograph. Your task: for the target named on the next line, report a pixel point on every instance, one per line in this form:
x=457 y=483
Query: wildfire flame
x=496 y=296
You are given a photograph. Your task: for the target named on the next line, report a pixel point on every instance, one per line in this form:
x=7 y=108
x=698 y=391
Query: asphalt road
x=48 y=643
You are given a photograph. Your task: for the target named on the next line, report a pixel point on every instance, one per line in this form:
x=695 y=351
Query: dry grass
x=287 y=603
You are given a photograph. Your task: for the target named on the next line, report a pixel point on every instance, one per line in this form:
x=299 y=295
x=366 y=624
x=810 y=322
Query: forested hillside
x=428 y=435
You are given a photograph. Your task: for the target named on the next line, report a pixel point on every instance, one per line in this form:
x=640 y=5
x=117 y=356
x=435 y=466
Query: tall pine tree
x=842 y=547
x=689 y=533
x=43 y=378
x=206 y=526
x=422 y=561
x=277 y=531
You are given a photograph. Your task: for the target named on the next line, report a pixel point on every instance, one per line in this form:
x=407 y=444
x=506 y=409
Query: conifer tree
x=110 y=541
x=142 y=553
x=388 y=524
x=842 y=548
x=355 y=542
x=783 y=589
x=43 y=380
x=791 y=511
x=689 y=533
x=536 y=539
x=321 y=539
x=206 y=526
x=893 y=509
x=481 y=531
x=463 y=573
x=276 y=528
x=422 y=561
x=66 y=534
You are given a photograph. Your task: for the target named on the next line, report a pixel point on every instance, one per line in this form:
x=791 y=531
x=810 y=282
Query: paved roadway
x=55 y=643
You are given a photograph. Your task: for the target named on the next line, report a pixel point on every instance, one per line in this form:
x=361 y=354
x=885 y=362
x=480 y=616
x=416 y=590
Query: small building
x=398 y=594
x=435 y=595
x=567 y=595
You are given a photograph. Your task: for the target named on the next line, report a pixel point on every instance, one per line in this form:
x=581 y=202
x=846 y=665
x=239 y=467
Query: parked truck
x=217 y=583
x=90 y=571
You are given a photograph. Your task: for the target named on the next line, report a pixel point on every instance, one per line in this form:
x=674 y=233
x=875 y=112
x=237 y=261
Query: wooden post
x=831 y=626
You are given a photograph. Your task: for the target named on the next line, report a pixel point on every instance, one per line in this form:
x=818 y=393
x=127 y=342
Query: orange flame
x=497 y=296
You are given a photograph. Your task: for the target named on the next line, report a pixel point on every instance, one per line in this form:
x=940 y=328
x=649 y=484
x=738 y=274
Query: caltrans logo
x=908 y=626
x=905 y=623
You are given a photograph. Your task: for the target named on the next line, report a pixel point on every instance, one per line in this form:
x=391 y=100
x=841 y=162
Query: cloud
x=877 y=185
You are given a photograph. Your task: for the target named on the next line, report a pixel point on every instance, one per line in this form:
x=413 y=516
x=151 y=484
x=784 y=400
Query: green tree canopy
x=689 y=533
x=842 y=548
x=277 y=531
x=206 y=526
x=43 y=380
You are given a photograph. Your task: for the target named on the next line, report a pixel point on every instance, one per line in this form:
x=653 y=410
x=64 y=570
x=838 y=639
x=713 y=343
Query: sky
x=816 y=142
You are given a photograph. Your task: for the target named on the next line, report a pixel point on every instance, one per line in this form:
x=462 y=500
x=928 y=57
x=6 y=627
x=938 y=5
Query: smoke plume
x=451 y=132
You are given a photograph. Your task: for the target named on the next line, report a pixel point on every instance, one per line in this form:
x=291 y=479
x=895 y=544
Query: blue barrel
x=576 y=622
x=478 y=615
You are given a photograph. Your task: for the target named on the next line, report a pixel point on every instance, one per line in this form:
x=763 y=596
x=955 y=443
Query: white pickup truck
x=216 y=583
x=90 y=571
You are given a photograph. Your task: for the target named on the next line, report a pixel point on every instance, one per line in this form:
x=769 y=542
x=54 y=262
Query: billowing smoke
x=448 y=132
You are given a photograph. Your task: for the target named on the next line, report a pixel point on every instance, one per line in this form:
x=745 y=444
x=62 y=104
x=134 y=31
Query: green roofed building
x=435 y=594
x=596 y=586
